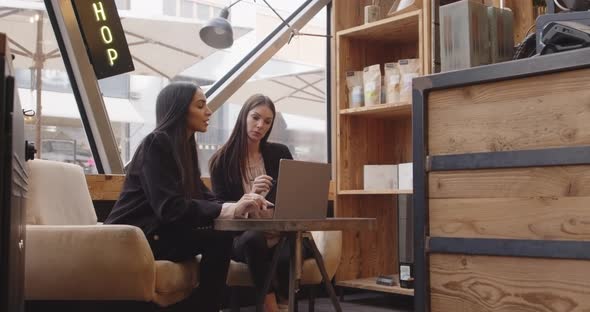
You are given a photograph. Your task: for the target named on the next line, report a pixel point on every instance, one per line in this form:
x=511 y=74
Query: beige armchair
x=71 y=257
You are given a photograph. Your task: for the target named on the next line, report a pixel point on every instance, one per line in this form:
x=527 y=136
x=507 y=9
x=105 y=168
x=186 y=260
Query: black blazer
x=272 y=153
x=153 y=196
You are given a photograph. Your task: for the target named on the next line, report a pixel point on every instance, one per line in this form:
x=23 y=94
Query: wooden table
x=292 y=234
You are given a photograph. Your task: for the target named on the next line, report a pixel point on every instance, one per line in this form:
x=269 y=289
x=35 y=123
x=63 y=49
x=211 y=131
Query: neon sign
x=104 y=37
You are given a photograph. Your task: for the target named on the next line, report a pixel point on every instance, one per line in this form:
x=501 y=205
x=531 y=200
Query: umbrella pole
x=38 y=61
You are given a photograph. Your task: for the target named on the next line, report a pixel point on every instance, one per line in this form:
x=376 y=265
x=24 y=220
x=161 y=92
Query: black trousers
x=215 y=248
x=250 y=247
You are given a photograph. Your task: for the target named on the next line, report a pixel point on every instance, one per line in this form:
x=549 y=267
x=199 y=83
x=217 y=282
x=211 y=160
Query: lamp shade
x=217 y=33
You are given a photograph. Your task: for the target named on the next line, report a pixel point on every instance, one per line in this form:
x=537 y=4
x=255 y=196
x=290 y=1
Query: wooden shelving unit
x=378 y=134
x=374 y=192
x=371 y=284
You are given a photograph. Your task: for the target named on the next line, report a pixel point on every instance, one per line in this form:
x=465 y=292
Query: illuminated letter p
x=113 y=55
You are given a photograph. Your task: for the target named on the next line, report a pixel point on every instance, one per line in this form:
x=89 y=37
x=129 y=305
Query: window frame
x=98 y=126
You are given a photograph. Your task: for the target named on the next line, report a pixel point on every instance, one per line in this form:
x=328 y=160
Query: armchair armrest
x=329 y=244
x=88 y=262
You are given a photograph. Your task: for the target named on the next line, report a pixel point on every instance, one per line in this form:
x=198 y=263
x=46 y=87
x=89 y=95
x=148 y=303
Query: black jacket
x=153 y=196
x=272 y=153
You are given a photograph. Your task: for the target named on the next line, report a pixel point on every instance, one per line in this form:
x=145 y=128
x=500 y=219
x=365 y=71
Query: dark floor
x=365 y=302
x=354 y=301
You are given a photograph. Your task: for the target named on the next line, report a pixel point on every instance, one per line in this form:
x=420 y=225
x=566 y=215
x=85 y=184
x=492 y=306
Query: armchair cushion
x=172 y=277
x=329 y=244
x=175 y=280
x=70 y=257
x=96 y=262
x=239 y=275
x=58 y=195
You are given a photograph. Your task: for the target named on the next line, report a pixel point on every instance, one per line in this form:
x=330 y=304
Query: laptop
x=302 y=190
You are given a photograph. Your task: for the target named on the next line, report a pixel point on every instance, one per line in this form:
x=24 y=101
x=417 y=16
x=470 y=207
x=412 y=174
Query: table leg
x=311 y=299
x=298 y=256
x=271 y=272
x=327 y=283
x=294 y=268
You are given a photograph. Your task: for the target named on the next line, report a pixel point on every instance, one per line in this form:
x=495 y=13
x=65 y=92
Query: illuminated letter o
x=107 y=36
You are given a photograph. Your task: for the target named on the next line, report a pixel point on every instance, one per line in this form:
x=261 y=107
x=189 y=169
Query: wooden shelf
x=400 y=28
x=390 y=110
x=377 y=134
x=371 y=284
x=374 y=192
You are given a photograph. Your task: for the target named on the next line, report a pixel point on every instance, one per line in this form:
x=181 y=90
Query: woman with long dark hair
x=164 y=195
x=248 y=163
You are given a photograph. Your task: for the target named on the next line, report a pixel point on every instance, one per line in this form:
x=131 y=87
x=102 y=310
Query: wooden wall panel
x=350 y=13
x=357 y=54
x=523 y=203
x=108 y=187
x=546 y=218
x=529 y=113
x=523 y=16
x=510 y=183
x=344 y=172
x=105 y=187
x=366 y=254
x=484 y=284
x=399 y=139
x=353 y=150
x=346 y=61
x=388 y=53
x=425 y=35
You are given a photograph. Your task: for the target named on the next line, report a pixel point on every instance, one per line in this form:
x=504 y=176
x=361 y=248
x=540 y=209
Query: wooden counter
x=502 y=186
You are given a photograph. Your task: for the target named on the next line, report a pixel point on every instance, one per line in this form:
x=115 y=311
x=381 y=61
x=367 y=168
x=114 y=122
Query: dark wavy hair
x=172 y=107
x=234 y=153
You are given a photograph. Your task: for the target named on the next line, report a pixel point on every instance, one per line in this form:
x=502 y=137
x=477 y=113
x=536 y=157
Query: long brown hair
x=234 y=153
x=172 y=107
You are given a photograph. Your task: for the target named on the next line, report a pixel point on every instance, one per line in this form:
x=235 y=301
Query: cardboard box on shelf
x=380 y=177
x=405 y=174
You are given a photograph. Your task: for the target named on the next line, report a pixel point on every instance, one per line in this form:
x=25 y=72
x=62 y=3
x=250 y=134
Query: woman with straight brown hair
x=248 y=163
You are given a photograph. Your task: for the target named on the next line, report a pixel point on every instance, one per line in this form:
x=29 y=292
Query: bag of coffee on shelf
x=392 y=81
x=372 y=83
x=409 y=69
x=354 y=82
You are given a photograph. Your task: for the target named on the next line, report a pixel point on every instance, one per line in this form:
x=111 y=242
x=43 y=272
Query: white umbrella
x=295 y=88
x=160 y=46
x=63 y=105
x=297 y=93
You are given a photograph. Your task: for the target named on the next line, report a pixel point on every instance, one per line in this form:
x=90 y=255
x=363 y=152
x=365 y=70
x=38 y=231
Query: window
x=122 y=4
x=300 y=123
x=200 y=10
x=169 y=7
x=187 y=8
x=203 y=12
x=295 y=77
x=217 y=11
x=62 y=135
